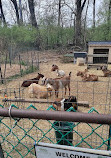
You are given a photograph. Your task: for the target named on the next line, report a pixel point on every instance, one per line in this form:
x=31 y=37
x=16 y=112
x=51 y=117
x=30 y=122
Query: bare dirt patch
x=96 y=93
x=11 y=70
x=93 y=92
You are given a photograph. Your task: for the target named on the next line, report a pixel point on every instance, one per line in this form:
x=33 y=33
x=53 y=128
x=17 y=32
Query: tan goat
x=90 y=77
x=82 y=73
x=106 y=73
x=39 y=91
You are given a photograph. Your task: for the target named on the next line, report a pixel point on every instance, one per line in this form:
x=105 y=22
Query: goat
x=106 y=72
x=58 y=83
x=65 y=104
x=39 y=91
x=82 y=73
x=44 y=79
x=90 y=77
x=60 y=73
x=27 y=83
x=102 y=68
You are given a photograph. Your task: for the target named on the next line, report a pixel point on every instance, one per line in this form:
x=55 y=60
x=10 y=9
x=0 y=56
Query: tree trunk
x=32 y=13
x=109 y=21
x=94 y=2
x=109 y=12
x=16 y=9
x=59 y=19
x=59 y=13
x=20 y=7
x=78 y=24
x=85 y=23
x=78 y=32
x=2 y=14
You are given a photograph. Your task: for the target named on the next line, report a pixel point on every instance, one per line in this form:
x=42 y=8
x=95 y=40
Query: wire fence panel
x=18 y=135
x=18 y=61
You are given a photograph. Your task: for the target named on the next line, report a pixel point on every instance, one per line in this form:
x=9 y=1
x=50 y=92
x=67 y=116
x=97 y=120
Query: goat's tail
x=70 y=74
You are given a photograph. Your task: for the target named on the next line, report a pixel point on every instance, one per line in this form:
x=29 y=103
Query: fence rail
x=57 y=115
x=17 y=135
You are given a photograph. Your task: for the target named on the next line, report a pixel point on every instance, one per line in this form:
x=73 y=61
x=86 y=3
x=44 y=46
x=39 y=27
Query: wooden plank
x=97 y=55
x=69 y=55
x=79 y=103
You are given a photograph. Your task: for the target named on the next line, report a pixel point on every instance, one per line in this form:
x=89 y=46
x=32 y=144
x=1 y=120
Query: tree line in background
x=51 y=24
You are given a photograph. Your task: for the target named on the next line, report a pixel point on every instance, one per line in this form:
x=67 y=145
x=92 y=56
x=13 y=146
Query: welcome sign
x=45 y=150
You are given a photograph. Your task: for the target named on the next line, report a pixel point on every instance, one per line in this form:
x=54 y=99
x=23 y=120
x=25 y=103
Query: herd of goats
x=49 y=85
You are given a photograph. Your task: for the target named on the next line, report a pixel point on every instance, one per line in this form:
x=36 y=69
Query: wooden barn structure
x=99 y=53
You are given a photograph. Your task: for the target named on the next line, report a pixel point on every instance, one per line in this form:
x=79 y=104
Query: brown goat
x=106 y=72
x=82 y=73
x=58 y=83
x=90 y=77
x=54 y=67
x=27 y=83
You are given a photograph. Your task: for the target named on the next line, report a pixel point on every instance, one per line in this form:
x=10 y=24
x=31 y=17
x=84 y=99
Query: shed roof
x=100 y=43
x=80 y=54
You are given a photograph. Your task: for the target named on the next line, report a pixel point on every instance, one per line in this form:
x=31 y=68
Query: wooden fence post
x=1 y=74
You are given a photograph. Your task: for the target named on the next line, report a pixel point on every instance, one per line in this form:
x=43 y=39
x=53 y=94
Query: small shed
x=80 y=55
x=99 y=52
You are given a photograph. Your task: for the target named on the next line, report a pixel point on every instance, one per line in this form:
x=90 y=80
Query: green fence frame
x=26 y=150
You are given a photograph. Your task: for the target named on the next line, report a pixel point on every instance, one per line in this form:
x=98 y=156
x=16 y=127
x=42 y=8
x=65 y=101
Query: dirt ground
x=96 y=93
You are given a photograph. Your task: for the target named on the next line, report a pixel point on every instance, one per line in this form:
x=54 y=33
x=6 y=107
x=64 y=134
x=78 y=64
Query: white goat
x=60 y=73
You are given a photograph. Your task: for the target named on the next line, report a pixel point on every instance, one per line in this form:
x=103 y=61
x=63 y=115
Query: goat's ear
x=53 y=65
x=38 y=73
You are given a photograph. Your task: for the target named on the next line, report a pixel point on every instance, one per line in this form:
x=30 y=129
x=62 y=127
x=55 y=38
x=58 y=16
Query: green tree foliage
x=23 y=35
x=100 y=33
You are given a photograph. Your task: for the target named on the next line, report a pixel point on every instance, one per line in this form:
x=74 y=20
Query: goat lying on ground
x=27 y=83
x=106 y=72
x=90 y=77
x=65 y=104
x=58 y=83
x=60 y=73
x=82 y=73
x=39 y=91
x=102 y=67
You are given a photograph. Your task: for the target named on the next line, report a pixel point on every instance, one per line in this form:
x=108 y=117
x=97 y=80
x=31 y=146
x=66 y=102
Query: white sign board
x=45 y=150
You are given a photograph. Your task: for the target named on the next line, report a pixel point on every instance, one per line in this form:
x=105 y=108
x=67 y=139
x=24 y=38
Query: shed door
x=100 y=59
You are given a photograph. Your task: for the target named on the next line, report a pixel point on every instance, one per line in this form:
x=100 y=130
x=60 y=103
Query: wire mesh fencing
x=17 y=136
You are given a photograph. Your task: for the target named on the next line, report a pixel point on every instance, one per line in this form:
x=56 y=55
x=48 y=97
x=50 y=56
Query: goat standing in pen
x=64 y=104
x=27 y=83
x=60 y=73
x=60 y=83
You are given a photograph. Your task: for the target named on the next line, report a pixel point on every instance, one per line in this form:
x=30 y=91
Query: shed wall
x=91 y=51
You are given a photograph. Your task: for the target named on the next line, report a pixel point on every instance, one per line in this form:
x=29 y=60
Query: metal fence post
x=1 y=152
x=108 y=148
